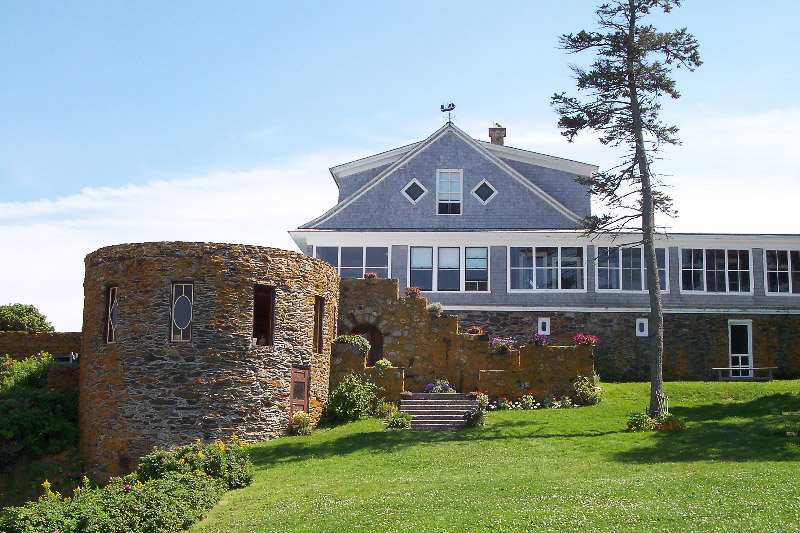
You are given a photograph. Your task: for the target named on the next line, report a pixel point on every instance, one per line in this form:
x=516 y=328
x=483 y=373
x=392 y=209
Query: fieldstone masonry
x=22 y=344
x=694 y=343
x=144 y=390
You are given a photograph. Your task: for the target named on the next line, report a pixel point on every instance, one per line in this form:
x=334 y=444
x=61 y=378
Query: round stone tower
x=198 y=340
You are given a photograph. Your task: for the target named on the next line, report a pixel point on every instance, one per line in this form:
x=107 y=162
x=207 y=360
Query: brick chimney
x=496 y=134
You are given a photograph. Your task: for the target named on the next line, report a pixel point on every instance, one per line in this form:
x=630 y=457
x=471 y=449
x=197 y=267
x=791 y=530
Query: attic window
x=484 y=192
x=414 y=191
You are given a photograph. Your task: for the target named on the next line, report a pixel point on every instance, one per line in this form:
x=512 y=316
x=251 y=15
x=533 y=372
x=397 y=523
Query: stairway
x=437 y=410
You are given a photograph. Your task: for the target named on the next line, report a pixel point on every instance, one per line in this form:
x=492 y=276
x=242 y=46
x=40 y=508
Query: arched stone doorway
x=375 y=338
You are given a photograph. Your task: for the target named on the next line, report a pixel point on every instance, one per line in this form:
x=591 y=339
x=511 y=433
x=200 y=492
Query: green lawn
x=732 y=469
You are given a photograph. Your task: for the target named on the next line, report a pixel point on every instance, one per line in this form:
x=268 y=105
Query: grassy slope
x=732 y=469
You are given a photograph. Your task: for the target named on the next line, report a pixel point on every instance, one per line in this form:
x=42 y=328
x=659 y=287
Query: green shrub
x=20 y=317
x=662 y=422
x=352 y=399
x=528 y=402
x=226 y=461
x=587 y=390
x=399 y=420
x=475 y=418
x=434 y=309
x=168 y=491
x=383 y=364
x=29 y=372
x=35 y=422
x=384 y=409
x=353 y=340
x=302 y=423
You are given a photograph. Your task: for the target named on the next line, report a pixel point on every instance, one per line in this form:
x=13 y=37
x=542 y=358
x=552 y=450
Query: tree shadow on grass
x=736 y=432
x=381 y=441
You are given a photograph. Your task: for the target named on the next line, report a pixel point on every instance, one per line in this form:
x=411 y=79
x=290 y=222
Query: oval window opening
x=182 y=312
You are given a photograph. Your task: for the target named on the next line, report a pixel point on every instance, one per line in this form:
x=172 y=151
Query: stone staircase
x=437 y=410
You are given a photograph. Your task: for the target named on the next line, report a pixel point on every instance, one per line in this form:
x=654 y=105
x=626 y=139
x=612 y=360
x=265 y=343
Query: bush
x=528 y=402
x=352 y=399
x=503 y=345
x=169 y=491
x=29 y=372
x=477 y=417
x=34 y=422
x=440 y=386
x=384 y=409
x=20 y=317
x=662 y=422
x=412 y=292
x=589 y=340
x=302 y=423
x=353 y=340
x=434 y=309
x=587 y=390
x=399 y=420
x=383 y=364
x=538 y=339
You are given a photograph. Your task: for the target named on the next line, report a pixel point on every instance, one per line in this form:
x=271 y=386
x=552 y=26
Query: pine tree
x=624 y=83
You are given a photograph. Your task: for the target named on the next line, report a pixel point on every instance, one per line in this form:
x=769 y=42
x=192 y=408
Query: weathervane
x=448 y=108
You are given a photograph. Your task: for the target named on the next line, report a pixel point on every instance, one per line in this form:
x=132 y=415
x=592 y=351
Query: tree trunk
x=656 y=326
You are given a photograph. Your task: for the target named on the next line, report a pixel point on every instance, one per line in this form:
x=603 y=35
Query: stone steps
x=437 y=411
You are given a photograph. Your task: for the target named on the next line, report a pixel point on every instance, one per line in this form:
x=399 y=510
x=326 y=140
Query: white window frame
x=749 y=324
x=364 y=267
x=646 y=331
x=460 y=194
x=421 y=196
x=644 y=270
x=585 y=268
x=478 y=186
x=705 y=271
x=543 y=321
x=463 y=264
x=111 y=326
x=766 y=286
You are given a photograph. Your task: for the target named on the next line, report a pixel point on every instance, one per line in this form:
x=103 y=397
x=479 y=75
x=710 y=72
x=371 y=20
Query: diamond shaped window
x=484 y=192
x=414 y=191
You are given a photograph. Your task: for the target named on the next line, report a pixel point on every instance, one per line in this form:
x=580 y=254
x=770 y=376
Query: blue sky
x=132 y=121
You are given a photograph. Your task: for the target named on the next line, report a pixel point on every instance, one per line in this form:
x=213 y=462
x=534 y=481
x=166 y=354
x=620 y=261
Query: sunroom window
x=448 y=277
x=547 y=268
x=783 y=271
x=356 y=261
x=476 y=271
x=715 y=270
x=421 y=268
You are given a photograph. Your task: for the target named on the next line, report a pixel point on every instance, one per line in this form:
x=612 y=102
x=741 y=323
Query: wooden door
x=298 y=395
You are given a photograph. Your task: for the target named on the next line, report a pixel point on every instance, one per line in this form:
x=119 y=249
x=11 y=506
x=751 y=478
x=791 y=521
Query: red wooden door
x=299 y=391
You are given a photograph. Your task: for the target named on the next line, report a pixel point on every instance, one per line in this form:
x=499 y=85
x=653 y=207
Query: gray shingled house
x=492 y=233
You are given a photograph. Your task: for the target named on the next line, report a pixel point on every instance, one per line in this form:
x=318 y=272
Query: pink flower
x=127 y=487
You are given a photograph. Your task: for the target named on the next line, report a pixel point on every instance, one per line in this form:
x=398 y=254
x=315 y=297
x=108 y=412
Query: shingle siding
x=350 y=184
x=558 y=184
x=385 y=207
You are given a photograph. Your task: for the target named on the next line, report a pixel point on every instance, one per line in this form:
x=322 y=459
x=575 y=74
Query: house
x=493 y=234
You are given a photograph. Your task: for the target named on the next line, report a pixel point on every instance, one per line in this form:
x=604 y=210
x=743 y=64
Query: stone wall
x=63 y=378
x=429 y=348
x=346 y=358
x=21 y=344
x=693 y=343
x=145 y=390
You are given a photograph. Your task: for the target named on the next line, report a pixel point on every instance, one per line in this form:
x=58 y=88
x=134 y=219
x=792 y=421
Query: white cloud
x=733 y=174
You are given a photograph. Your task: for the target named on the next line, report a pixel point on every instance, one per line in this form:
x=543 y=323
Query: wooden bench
x=751 y=377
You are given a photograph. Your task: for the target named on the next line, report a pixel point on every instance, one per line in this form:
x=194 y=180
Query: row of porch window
x=563 y=268
x=181 y=315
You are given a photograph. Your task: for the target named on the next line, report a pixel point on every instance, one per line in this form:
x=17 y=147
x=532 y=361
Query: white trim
x=541 y=160
x=543 y=321
x=789 y=251
x=421 y=186
x=475 y=194
x=645 y=332
x=419 y=148
x=373 y=161
x=534 y=290
x=728 y=292
x=637 y=310
x=749 y=324
x=460 y=173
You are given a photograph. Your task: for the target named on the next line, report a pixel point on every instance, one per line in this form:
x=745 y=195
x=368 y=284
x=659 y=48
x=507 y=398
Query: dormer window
x=448 y=192
x=414 y=191
x=484 y=192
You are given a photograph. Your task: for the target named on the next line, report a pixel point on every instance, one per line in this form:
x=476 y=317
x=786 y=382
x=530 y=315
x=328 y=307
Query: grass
x=732 y=469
